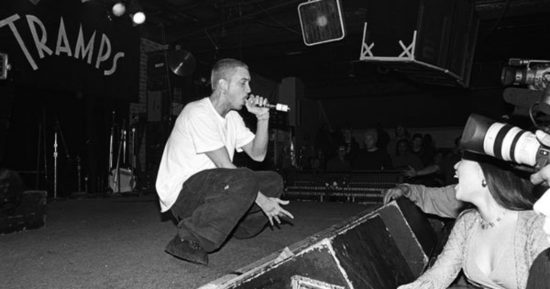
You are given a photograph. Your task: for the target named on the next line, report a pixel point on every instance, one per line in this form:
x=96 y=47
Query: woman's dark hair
x=509 y=187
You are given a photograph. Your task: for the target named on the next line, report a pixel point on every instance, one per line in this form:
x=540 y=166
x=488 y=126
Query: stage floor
x=119 y=243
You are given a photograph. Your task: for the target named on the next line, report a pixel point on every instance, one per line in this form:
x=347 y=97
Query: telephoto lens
x=503 y=141
x=513 y=75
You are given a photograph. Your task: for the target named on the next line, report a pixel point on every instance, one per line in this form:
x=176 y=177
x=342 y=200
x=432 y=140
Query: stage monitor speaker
x=28 y=212
x=412 y=233
x=367 y=251
x=321 y=21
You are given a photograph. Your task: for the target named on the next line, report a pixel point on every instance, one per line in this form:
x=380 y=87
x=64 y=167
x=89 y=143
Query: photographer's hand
x=543 y=175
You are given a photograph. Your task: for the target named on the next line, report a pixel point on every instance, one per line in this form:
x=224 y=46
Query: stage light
x=138 y=18
x=119 y=9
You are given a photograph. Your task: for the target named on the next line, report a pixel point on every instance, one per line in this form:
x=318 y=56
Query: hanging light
x=138 y=17
x=119 y=9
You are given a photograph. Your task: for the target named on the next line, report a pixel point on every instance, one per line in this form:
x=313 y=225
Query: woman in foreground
x=497 y=240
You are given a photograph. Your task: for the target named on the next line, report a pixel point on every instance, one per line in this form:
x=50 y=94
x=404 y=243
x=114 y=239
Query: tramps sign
x=83 y=46
x=70 y=45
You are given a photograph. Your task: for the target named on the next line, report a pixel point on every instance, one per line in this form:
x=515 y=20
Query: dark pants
x=214 y=203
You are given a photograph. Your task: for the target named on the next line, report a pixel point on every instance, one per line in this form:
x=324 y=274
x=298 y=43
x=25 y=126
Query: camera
x=507 y=142
x=533 y=73
x=504 y=141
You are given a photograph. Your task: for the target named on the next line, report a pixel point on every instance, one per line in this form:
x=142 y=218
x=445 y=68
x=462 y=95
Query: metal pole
x=37 y=179
x=78 y=171
x=55 y=166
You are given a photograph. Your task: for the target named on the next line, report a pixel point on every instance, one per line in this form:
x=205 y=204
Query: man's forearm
x=259 y=144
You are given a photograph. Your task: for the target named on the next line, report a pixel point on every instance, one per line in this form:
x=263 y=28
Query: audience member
x=400 y=133
x=383 y=137
x=539 y=274
x=339 y=163
x=370 y=157
x=428 y=145
x=426 y=175
x=403 y=158
x=317 y=162
x=351 y=145
x=496 y=242
x=441 y=171
x=324 y=140
x=419 y=148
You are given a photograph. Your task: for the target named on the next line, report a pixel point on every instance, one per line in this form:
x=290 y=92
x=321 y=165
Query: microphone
x=277 y=107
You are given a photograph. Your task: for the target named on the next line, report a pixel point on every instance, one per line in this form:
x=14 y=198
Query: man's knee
x=271 y=183
x=244 y=181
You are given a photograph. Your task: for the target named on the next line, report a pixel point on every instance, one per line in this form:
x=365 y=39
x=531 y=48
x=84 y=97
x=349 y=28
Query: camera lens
x=514 y=76
x=500 y=140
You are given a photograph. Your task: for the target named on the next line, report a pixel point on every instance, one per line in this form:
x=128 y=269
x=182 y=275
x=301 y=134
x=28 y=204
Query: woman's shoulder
x=468 y=216
x=531 y=219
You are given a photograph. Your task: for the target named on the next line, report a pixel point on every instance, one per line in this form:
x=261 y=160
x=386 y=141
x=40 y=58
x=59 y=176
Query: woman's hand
x=396 y=192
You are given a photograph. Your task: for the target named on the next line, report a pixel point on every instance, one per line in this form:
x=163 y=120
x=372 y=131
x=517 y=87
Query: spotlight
x=138 y=17
x=119 y=9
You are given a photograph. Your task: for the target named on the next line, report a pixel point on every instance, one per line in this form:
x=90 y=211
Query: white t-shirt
x=199 y=128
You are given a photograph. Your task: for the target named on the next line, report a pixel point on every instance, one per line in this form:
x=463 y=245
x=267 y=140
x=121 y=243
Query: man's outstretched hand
x=272 y=208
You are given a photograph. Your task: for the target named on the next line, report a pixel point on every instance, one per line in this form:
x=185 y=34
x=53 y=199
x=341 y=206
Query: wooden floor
x=119 y=243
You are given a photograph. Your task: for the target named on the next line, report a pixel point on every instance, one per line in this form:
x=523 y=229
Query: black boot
x=187 y=250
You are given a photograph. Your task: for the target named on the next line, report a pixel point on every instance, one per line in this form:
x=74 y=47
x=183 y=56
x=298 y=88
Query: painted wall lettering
x=82 y=49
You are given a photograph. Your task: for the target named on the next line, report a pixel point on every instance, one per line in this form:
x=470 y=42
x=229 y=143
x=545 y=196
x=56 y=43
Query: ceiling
x=267 y=35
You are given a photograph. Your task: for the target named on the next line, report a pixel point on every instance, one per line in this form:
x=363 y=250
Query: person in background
x=442 y=166
x=539 y=274
x=339 y=163
x=351 y=145
x=197 y=181
x=420 y=149
x=496 y=242
x=383 y=137
x=400 y=133
x=404 y=159
x=426 y=175
x=370 y=157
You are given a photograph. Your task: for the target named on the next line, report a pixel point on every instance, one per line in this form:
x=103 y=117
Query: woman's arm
x=449 y=262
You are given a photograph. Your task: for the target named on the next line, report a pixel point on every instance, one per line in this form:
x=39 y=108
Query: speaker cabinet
x=321 y=21
x=379 y=249
x=291 y=90
x=430 y=41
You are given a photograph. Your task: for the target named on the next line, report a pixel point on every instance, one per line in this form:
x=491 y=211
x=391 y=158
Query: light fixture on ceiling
x=138 y=17
x=119 y=9
x=136 y=13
